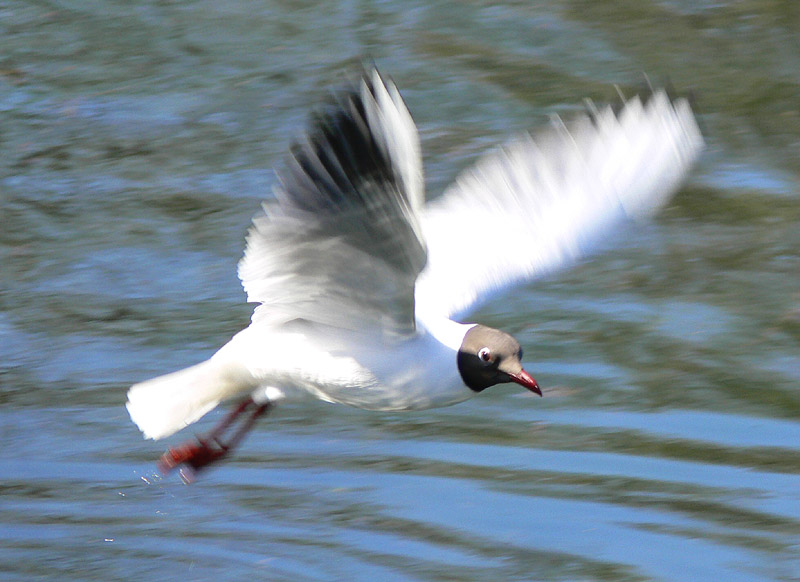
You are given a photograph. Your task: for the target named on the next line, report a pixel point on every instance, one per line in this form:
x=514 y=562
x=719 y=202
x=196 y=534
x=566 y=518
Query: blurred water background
x=136 y=141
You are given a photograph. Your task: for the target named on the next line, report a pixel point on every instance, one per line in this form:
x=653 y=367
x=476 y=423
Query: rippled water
x=136 y=140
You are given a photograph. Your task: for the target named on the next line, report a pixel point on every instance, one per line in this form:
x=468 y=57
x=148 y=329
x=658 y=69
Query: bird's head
x=489 y=356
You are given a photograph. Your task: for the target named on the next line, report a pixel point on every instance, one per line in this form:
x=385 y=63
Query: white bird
x=360 y=284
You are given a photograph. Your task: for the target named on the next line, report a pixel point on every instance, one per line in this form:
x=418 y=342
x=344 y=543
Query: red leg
x=210 y=448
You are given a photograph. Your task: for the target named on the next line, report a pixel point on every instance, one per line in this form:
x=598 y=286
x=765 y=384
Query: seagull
x=362 y=287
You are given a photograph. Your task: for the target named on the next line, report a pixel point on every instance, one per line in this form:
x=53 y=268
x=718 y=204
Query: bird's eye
x=485 y=354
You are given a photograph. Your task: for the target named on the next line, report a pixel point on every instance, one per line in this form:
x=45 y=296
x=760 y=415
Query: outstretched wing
x=342 y=244
x=544 y=201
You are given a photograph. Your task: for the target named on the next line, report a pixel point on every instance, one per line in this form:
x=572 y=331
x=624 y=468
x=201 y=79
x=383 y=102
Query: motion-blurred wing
x=342 y=245
x=542 y=202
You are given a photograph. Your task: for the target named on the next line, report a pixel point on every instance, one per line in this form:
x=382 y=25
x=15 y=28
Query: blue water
x=136 y=142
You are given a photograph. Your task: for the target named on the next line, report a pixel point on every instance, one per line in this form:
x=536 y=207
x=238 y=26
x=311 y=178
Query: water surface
x=136 y=141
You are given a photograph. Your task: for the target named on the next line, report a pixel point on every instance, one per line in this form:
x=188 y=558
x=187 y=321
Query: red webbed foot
x=206 y=450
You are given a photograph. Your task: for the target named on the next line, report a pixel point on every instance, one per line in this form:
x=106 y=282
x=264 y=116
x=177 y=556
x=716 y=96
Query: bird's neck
x=448 y=332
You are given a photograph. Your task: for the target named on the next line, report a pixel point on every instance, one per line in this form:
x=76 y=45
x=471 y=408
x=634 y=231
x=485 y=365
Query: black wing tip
x=334 y=164
x=362 y=72
x=349 y=94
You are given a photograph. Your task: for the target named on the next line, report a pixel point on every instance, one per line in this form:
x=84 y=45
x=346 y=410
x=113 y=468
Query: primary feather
x=543 y=201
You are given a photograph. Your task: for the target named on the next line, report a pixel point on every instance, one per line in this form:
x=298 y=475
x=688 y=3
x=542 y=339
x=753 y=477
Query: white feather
x=542 y=202
x=166 y=404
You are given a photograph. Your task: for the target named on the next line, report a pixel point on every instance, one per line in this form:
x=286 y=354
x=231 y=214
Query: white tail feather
x=165 y=405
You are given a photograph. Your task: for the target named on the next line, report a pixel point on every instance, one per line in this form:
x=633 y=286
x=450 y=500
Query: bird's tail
x=164 y=405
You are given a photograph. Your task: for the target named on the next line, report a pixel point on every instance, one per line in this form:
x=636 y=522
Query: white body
x=348 y=368
x=345 y=368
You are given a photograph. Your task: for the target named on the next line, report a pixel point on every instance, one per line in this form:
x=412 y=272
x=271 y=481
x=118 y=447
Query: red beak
x=524 y=379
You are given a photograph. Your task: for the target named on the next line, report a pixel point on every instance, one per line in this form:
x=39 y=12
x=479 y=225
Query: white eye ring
x=485 y=354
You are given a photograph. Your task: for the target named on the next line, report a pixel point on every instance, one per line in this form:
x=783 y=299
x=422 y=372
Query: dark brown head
x=489 y=356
